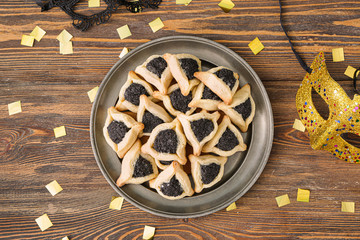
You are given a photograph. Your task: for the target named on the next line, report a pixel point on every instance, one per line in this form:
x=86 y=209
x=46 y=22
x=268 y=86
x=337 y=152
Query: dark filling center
x=165 y=162
x=133 y=93
x=227 y=76
x=179 y=101
x=209 y=172
x=227 y=141
x=172 y=188
x=157 y=66
x=208 y=94
x=190 y=66
x=244 y=109
x=166 y=141
x=150 y=121
x=142 y=168
x=117 y=131
x=202 y=128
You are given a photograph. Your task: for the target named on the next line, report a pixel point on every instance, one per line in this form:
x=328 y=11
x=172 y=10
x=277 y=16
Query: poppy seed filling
x=117 y=131
x=227 y=76
x=208 y=94
x=179 y=101
x=165 y=162
x=157 y=66
x=133 y=93
x=202 y=128
x=142 y=168
x=171 y=188
x=227 y=141
x=166 y=141
x=209 y=172
x=190 y=66
x=244 y=109
x=150 y=121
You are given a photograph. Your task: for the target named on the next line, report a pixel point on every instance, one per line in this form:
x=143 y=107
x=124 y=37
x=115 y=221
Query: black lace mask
x=83 y=22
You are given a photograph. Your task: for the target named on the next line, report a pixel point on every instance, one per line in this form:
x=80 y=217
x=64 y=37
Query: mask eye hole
x=352 y=139
x=321 y=106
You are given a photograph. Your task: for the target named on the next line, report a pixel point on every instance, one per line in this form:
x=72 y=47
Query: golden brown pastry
x=221 y=80
x=121 y=131
x=242 y=109
x=205 y=98
x=137 y=167
x=173 y=183
x=183 y=67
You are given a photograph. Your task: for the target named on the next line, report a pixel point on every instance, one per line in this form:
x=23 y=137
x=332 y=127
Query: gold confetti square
x=54 y=187
x=226 y=5
x=124 y=52
x=338 y=54
x=116 y=203
x=38 y=33
x=66 y=48
x=183 y=2
x=43 y=222
x=348 y=207
x=156 y=25
x=92 y=93
x=65 y=238
x=94 y=3
x=27 y=40
x=350 y=72
x=148 y=232
x=60 y=131
x=282 y=200
x=298 y=125
x=256 y=46
x=14 y=107
x=64 y=36
x=303 y=195
x=124 y=32
x=231 y=207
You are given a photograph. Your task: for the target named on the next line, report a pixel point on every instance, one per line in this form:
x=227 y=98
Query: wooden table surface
x=53 y=91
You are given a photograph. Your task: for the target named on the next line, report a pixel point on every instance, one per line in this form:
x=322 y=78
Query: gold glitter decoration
x=344 y=113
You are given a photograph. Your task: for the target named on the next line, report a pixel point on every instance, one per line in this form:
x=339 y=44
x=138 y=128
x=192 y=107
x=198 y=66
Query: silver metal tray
x=242 y=169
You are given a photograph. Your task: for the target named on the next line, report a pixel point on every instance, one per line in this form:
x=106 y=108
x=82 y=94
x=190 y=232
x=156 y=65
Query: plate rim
x=236 y=196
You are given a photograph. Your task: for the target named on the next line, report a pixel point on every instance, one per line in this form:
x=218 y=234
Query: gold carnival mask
x=344 y=113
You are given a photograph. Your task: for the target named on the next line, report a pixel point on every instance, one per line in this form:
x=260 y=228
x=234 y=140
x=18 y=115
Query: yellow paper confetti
x=298 y=125
x=256 y=46
x=94 y=3
x=65 y=238
x=43 y=222
x=124 y=32
x=282 y=200
x=54 y=187
x=350 y=72
x=59 y=131
x=27 y=40
x=124 y=52
x=38 y=33
x=92 y=93
x=231 y=207
x=156 y=25
x=303 y=195
x=14 y=107
x=338 y=54
x=226 y=5
x=348 y=207
x=148 y=232
x=64 y=36
x=116 y=203
x=66 y=48
x=184 y=2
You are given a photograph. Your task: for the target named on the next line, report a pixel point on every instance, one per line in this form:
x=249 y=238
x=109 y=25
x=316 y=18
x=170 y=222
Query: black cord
x=300 y=60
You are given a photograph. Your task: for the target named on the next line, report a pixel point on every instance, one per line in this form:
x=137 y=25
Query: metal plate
x=242 y=169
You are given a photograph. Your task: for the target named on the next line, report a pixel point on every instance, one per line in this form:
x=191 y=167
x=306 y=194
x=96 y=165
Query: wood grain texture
x=53 y=90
